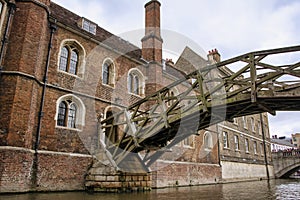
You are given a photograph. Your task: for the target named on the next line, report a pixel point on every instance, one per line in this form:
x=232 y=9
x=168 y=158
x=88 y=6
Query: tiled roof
x=71 y=20
x=286 y=142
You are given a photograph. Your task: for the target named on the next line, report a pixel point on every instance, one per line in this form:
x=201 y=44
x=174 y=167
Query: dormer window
x=89 y=26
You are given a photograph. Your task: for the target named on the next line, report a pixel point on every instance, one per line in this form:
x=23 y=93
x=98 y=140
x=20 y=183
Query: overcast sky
x=234 y=27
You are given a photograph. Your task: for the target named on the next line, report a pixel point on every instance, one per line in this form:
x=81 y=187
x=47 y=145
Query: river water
x=274 y=189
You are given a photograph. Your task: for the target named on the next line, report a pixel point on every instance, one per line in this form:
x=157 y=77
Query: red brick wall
x=56 y=172
x=15 y=170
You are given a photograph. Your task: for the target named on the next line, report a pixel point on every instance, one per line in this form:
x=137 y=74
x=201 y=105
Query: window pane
x=63 y=59
x=136 y=85
x=92 y=28
x=72 y=116
x=86 y=25
x=73 y=62
x=61 y=114
x=255 y=147
x=247 y=145
x=225 y=140
x=130 y=83
x=208 y=141
x=236 y=142
x=105 y=74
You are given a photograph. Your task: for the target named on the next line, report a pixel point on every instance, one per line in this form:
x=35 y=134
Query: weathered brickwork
x=15 y=170
x=55 y=172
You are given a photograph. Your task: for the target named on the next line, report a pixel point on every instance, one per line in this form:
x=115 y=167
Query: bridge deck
x=211 y=94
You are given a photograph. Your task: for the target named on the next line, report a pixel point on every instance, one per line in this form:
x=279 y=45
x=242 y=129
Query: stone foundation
x=102 y=177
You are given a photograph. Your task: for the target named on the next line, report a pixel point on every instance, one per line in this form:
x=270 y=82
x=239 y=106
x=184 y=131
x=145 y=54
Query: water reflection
x=275 y=189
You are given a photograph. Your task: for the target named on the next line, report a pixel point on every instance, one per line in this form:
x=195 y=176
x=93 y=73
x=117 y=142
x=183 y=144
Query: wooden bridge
x=244 y=85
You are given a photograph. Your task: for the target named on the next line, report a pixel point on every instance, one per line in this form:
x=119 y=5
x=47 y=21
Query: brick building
x=60 y=74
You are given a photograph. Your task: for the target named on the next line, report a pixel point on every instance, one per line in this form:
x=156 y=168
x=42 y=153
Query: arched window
x=68 y=59
x=108 y=73
x=135 y=82
x=71 y=58
x=208 y=141
x=67 y=114
x=70 y=112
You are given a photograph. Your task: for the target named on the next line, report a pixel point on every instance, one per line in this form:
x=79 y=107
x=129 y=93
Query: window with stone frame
x=70 y=112
x=208 y=141
x=259 y=130
x=89 y=26
x=69 y=59
x=246 y=145
x=244 y=122
x=135 y=82
x=236 y=143
x=188 y=142
x=261 y=149
x=108 y=73
x=225 y=140
x=67 y=114
x=252 y=121
x=255 y=147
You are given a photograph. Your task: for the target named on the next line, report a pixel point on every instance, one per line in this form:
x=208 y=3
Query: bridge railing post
x=253 y=75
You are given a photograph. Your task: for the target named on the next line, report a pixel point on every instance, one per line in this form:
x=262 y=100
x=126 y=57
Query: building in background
x=296 y=140
x=281 y=143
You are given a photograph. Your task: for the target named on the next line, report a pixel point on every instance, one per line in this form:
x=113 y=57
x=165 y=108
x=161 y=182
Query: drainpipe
x=34 y=169
x=264 y=144
x=12 y=9
x=53 y=28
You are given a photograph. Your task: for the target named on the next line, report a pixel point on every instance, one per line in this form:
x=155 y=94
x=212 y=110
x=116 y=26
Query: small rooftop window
x=89 y=26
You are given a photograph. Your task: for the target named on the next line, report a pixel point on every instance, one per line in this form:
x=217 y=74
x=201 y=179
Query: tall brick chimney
x=152 y=47
x=152 y=41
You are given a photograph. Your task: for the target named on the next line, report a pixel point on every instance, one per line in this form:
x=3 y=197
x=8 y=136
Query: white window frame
x=236 y=142
x=247 y=145
x=136 y=72
x=80 y=111
x=89 y=26
x=81 y=57
x=112 y=75
x=225 y=140
x=208 y=141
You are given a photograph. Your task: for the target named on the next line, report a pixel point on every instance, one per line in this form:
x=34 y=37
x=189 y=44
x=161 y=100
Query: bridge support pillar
x=102 y=177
